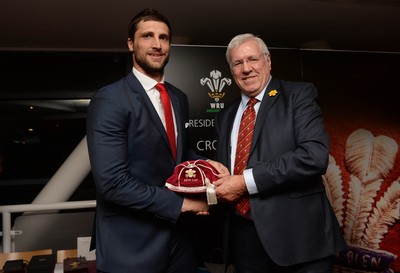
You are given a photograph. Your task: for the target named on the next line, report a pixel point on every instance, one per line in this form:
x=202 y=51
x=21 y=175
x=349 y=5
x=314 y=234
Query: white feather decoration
x=358 y=151
x=369 y=157
x=334 y=188
x=359 y=205
x=352 y=206
x=385 y=214
x=383 y=157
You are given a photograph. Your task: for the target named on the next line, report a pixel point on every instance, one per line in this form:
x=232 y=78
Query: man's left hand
x=230 y=188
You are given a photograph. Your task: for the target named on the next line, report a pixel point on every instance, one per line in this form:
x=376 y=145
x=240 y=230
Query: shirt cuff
x=249 y=180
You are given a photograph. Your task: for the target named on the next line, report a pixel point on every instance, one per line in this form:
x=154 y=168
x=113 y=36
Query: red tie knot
x=160 y=87
x=252 y=102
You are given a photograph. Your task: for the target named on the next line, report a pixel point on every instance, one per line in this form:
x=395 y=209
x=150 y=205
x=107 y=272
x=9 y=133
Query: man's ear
x=129 y=42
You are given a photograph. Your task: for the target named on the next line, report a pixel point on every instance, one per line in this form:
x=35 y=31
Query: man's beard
x=149 y=68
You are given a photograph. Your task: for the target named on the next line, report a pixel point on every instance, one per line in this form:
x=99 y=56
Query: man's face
x=150 y=48
x=250 y=68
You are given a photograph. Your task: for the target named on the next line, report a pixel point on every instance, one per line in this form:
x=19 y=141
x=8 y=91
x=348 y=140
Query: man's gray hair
x=242 y=38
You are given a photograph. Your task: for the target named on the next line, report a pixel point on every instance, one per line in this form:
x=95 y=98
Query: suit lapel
x=231 y=117
x=142 y=97
x=266 y=105
x=227 y=129
x=177 y=108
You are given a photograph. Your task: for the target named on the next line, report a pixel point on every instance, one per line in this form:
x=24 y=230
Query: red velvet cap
x=192 y=177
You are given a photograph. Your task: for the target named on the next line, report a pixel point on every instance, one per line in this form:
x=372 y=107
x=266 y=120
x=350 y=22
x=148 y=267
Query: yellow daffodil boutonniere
x=272 y=93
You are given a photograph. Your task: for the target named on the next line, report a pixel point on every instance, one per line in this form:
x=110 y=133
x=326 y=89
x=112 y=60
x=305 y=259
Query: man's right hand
x=195 y=205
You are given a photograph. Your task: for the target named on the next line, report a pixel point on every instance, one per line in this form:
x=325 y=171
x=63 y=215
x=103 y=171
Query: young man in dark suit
x=138 y=220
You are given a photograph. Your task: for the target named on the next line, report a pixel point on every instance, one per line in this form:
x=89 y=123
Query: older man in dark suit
x=281 y=220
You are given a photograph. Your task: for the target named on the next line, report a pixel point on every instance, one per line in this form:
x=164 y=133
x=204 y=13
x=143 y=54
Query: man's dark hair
x=147 y=15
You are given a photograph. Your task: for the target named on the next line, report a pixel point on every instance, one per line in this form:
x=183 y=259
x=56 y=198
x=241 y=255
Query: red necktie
x=169 y=120
x=245 y=137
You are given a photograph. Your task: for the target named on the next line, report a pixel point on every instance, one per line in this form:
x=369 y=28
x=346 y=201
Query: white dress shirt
x=154 y=95
x=248 y=173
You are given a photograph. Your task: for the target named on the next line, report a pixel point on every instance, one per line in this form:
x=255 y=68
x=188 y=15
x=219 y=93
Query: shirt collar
x=259 y=97
x=147 y=82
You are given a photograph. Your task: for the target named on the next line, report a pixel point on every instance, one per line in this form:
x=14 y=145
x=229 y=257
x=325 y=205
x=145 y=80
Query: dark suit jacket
x=289 y=153
x=131 y=159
